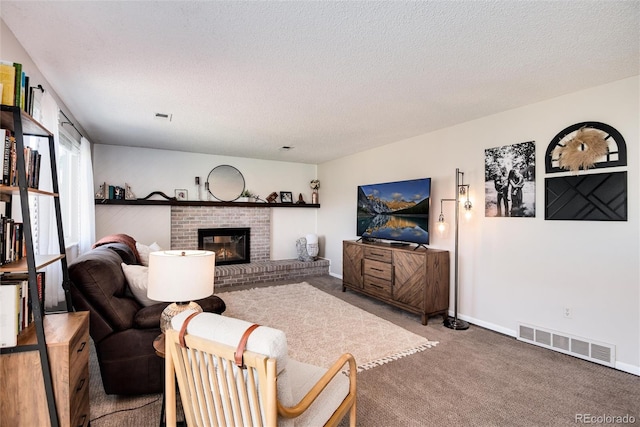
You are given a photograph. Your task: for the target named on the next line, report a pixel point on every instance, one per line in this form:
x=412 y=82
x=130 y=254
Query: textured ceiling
x=326 y=78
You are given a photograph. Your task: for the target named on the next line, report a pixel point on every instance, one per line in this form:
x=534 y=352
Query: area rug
x=320 y=327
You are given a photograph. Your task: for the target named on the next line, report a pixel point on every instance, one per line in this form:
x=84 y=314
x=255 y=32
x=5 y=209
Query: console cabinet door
x=352 y=260
x=410 y=279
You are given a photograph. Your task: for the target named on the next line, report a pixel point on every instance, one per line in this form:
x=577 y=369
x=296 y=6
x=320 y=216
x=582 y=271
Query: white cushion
x=228 y=330
x=144 y=251
x=302 y=377
x=136 y=276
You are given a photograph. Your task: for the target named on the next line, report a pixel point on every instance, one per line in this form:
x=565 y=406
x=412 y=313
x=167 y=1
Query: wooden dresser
x=22 y=394
x=414 y=280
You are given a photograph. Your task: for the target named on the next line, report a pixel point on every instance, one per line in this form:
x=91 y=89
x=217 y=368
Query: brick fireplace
x=186 y=220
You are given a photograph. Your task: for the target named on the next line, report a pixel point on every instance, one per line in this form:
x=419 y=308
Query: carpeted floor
x=471 y=378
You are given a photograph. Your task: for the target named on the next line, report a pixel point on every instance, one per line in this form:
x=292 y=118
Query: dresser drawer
x=379 y=287
x=80 y=409
x=378 y=269
x=79 y=385
x=79 y=346
x=383 y=255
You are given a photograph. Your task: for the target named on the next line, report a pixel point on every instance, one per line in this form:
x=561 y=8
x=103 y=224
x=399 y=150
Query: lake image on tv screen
x=395 y=210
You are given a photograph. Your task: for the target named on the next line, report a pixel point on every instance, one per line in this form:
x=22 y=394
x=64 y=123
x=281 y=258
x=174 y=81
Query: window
x=68 y=185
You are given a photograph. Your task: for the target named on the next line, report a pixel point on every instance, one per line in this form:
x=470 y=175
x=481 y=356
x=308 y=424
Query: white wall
x=12 y=50
x=148 y=170
x=517 y=269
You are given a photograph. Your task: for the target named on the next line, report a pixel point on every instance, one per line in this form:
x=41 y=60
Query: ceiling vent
x=593 y=351
x=164 y=117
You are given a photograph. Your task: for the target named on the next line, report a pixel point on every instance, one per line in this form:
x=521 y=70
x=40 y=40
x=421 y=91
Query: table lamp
x=180 y=277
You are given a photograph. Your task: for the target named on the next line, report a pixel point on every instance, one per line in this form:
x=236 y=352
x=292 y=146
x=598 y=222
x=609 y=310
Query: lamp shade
x=176 y=276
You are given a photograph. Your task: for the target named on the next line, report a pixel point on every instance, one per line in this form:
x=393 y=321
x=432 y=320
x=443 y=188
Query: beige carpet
x=321 y=327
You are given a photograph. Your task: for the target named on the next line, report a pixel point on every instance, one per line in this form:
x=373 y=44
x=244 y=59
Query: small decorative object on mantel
x=286 y=197
x=307 y=248
x=301 y=200
x=181 y=194
x=246 y=196
x=314 y=184
x=128 y=193
x=271 y=198
x=101 y=194
x=583 y=150
x=118 y=193
x=158 y=193
x=199 y=188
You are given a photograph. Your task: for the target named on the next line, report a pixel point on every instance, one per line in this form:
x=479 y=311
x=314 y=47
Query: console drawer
x=377 y=254
x=377 y=286
x=378 y=269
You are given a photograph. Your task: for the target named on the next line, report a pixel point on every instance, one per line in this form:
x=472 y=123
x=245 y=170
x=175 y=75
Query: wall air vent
x=593 y=351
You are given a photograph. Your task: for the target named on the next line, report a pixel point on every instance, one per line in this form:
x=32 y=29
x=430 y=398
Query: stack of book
x=14 y=85
x=9 y=162
x=12 y=242
x=16 y=306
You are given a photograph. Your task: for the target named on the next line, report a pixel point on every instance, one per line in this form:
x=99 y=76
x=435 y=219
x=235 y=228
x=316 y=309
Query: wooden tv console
x=414 y=280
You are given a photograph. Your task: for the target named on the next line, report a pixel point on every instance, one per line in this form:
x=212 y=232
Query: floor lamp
x=461 y=189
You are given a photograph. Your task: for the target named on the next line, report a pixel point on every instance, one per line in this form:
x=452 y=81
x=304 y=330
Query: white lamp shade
x=177 y=276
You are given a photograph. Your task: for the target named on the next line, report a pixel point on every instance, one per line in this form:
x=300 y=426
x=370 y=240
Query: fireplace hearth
x=231 y=245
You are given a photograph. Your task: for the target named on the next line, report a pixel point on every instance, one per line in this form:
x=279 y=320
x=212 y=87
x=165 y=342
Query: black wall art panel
x=594 y=197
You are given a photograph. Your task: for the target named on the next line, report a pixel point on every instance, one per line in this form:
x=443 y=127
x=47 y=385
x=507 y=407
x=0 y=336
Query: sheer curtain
x=87 y=203
x=47 y=236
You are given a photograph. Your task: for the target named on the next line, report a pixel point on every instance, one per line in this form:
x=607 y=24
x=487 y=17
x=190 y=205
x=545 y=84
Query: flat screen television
x=396 y=211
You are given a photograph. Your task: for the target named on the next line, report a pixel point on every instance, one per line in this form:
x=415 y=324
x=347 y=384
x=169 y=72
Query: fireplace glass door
x=231 y=245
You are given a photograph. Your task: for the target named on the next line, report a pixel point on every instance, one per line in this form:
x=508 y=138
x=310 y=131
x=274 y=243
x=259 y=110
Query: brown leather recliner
x=122 y=330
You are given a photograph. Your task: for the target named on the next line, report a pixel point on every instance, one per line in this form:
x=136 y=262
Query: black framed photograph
x=510 y=184
x=286 y=197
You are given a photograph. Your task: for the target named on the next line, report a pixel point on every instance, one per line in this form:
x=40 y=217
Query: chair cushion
x=228 y=330
x=302 y=377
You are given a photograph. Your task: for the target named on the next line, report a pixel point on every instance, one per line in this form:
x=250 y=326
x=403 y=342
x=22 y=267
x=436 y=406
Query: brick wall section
x=268 y=271
x=186 y=220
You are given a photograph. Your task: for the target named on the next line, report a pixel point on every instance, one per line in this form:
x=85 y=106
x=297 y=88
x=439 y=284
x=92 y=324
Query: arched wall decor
x=616 y=156
x=586 y=196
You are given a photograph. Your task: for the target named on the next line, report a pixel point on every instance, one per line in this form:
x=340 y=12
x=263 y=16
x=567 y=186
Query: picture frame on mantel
x=286 y=197
x=181 y=194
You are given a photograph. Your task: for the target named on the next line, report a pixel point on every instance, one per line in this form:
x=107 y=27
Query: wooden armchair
x=270 y=389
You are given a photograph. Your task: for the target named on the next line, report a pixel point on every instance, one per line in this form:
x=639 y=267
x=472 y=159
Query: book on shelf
x=9 y=303
x=6 y=158
x=8 y=80
x=16 y=305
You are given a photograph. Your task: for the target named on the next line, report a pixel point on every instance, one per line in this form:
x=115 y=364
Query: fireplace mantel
x=141 y=202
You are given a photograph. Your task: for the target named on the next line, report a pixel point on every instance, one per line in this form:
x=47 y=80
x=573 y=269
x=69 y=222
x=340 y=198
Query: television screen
x=396 y=211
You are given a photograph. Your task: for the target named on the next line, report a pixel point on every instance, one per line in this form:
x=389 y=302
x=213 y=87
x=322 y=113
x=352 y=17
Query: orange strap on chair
x=183 y=329
x=243 y=342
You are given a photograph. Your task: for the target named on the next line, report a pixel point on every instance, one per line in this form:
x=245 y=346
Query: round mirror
x=225 y=183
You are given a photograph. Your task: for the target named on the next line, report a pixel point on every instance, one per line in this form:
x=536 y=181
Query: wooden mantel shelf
x=141 y=202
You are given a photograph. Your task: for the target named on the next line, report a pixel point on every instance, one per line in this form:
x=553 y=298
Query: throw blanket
x=119 y=238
